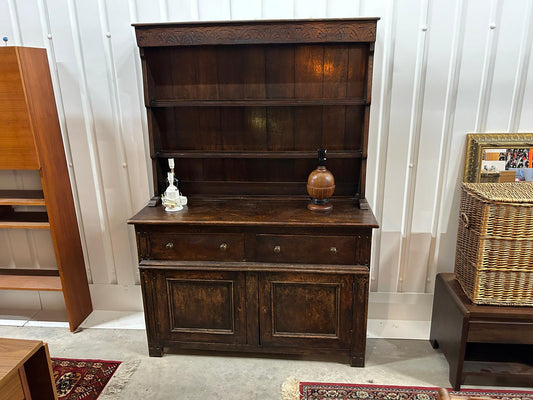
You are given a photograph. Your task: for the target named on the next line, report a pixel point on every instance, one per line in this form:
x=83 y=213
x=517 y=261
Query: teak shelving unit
x=243 y=106
x=26 y=370
x=30 y=139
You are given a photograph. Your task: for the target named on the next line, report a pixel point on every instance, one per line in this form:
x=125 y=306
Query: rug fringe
x=290 y=389
x=119 y=379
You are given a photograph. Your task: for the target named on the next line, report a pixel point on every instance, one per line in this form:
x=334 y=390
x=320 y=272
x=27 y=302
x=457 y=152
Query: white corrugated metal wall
x=442 y=68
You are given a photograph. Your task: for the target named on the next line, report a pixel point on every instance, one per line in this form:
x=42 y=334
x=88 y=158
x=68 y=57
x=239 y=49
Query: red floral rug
x=338 y=391
x=81 y=379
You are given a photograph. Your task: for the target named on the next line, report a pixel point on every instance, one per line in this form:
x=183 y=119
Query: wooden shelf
x=26 y=370
x=498 y=359
x=25 y=220
x=258 y=102
x=256 y=154
x=482 y=368
x=22 y=197
x=30 y=282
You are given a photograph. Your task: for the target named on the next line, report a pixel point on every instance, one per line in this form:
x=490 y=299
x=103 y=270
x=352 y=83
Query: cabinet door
x=195 y=306
x=301 y=309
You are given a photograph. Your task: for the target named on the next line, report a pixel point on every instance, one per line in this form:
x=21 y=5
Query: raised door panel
x=197 y=306
x=305 y=310
x=17 y=146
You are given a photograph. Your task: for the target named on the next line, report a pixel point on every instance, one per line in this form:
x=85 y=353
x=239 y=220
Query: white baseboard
x=101 y=319
x=400 y=306
x=390 y=315
x=399 y=315
x=398 y=329
x=116 y=297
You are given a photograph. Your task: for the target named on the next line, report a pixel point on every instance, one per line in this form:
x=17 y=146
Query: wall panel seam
x=142 y=112
x=9 y=248
x=92 y=143
x=415 y=124
x=114 y=97
x=28 y=233
x=488 y=66
x=15 y=23
x=522 y=69
x=49 y=44
x=452 y=88
x=383 y=131
x=118 y=121
x=195 y=10
x=163 y=9
x=144 y=124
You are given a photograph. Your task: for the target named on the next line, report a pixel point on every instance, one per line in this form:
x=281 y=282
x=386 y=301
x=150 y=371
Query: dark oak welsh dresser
x=242 y=107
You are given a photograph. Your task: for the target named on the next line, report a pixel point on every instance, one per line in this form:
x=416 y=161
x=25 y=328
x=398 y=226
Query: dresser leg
x=434 y=343
x=455 y=380
x=155 y=351
x=357 y=361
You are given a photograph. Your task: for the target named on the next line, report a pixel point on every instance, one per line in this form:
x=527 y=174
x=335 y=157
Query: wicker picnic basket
x=494 y=255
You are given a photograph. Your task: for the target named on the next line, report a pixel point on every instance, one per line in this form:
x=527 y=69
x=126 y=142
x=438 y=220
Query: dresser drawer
x=305 y=249
x=197 y=247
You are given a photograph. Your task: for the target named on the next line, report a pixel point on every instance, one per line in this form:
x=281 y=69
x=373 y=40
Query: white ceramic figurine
x=172 y=199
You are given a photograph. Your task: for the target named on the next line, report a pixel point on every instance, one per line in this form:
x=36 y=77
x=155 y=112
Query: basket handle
x=465 y=219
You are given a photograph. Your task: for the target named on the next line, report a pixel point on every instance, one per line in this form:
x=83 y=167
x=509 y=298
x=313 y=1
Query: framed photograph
x=498 y=157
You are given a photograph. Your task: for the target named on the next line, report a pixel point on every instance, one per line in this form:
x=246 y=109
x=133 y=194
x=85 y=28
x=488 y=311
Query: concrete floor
x=203 y=375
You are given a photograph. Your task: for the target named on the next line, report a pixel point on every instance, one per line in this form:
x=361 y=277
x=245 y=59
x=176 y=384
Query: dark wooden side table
x=494 y=342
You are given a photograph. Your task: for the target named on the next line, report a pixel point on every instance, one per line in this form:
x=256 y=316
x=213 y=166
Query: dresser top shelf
x=262 y=212
x=254 y=22
x=256 y=31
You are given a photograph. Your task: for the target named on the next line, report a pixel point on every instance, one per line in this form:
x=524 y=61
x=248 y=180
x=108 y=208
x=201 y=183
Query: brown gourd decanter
x=320 y=185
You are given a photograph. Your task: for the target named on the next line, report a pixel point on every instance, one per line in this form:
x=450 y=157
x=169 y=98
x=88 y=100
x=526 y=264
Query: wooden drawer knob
x=333 y=249
x=169 y=245
x=223 y=246
x=277 y=249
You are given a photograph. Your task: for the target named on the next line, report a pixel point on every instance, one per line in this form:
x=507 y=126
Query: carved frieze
x=245 y=33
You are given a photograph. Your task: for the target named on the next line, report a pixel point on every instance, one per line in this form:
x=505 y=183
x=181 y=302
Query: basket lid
x=508 y=192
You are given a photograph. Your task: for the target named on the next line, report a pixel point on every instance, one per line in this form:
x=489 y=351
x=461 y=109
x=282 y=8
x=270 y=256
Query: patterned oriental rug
x=81 y=379
x=330 y=391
